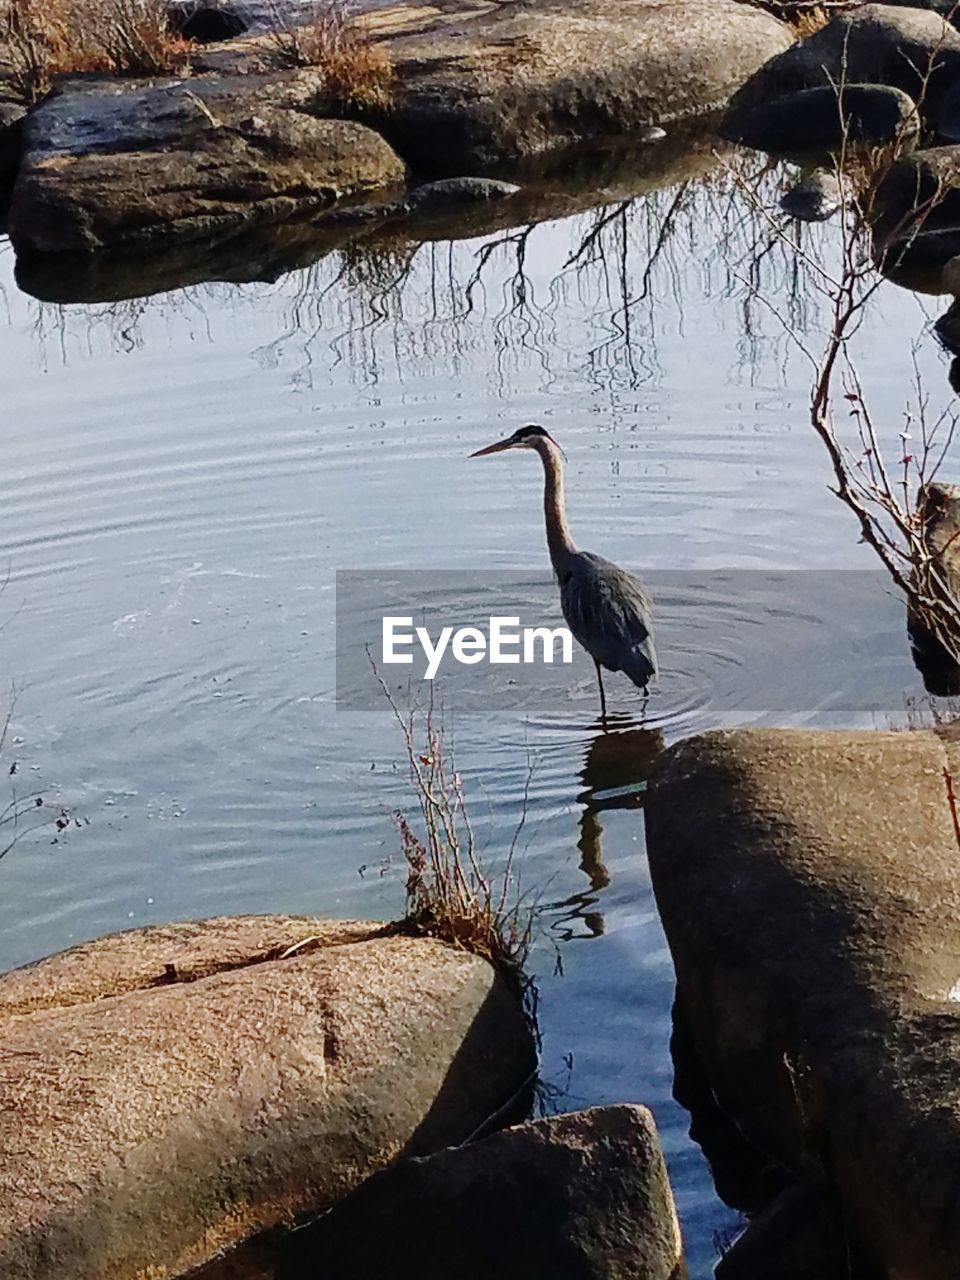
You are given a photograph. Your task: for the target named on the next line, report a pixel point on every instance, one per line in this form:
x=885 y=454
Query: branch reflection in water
x=619 y=759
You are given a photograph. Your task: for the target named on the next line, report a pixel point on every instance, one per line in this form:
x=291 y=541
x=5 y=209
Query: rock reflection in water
x=618 y=762
x=745 y=1177
x=563 y=185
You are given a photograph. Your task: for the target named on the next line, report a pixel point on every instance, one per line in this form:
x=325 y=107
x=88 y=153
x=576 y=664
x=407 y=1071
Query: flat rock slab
x=808 y=884
x=583 y=1196
x=167 y=1093
x=117 y=163
x=515 y=80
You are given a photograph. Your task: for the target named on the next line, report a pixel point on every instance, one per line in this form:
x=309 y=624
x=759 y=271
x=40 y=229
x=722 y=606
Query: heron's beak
x=493 y=448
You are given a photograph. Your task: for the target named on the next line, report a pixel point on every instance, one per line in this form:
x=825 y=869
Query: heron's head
x=530 y=437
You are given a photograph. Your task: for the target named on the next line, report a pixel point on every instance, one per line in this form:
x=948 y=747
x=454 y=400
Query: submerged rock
x=816 y=197
x=515 y=80
x=877 y=44
x=823 y=118
x=168 y=1092
x=807 y=882
x=451 y=193
x=117 y=163
x=576 y=1196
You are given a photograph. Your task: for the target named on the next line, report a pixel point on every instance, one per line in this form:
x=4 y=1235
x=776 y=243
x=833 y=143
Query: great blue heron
x=606 y=608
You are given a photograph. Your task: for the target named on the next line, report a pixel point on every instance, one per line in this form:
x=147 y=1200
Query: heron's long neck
x=554 y=508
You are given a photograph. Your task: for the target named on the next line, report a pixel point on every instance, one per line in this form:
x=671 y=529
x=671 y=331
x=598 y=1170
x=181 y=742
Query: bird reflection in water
x=618 y=761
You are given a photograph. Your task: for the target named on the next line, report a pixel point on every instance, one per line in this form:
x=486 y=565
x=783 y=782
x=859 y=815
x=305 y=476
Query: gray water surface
x=184 y=475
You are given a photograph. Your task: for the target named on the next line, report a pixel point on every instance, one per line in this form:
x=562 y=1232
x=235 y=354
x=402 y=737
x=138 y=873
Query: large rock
x=514 y=80
x=808 y=885
x=910 y=49
x=582 y=1196
x=815 y=197
x=822 y=118
x=113 y=163
x=168 y=1092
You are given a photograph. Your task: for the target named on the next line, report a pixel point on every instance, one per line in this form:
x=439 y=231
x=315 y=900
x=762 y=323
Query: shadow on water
x=618 y=761
x=559 y=186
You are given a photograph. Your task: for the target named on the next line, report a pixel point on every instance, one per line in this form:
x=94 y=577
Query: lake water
x=184 y=474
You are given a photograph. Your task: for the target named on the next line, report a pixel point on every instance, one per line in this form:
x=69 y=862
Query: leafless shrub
x=449 y=893
x=35 y=39
x=135 y=37
x=358 y=73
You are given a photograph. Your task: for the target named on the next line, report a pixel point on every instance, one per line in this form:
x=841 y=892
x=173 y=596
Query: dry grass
x=808 y=16
x=806 y=22
x=358 y=73
x=135 y=37
x=42 y=39
x=449 y=894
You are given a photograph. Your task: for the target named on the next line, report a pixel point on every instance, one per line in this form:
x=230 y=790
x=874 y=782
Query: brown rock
x=520 y=79
x=189 y=1087
x=582 y=1196
x=808 y=886
x=114 y=163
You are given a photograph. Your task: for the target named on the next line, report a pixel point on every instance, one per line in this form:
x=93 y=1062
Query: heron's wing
x=608 y=612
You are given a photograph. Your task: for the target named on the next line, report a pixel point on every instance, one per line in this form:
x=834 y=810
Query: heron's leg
x=603 y=700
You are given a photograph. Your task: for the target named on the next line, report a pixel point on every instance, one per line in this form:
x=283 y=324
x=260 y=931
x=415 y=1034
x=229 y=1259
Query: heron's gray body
x=608 y=613
x=606 y=608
